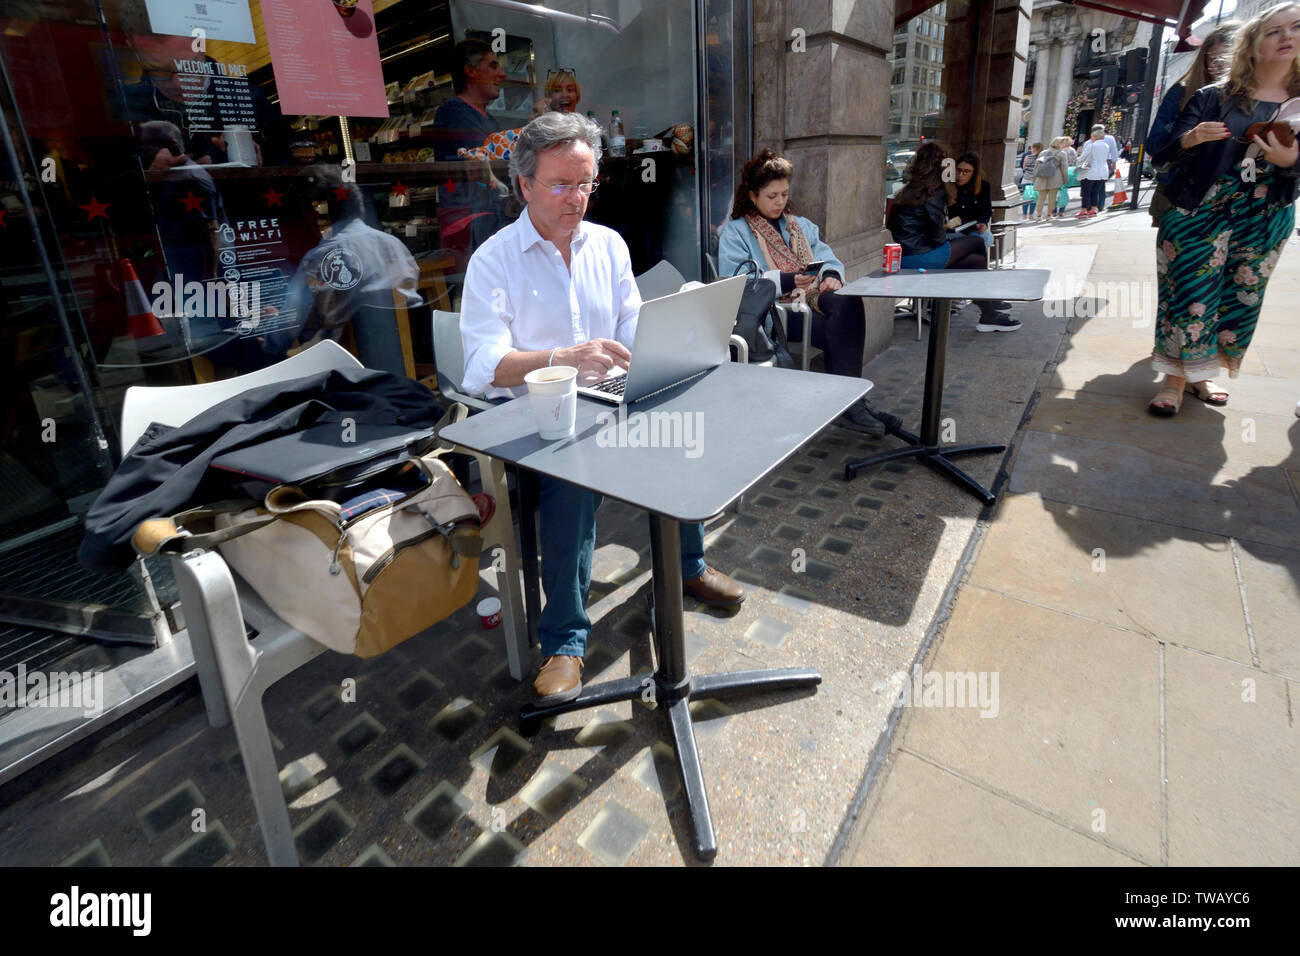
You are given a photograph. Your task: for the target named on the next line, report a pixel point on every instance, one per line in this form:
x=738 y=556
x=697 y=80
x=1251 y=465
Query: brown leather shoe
x=560 y=679
x=715 y=589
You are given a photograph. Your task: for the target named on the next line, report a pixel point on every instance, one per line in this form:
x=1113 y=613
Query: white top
x=520 y=296
x=1095 y=152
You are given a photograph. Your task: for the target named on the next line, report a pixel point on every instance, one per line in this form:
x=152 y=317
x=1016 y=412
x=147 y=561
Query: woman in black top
x=974 y=201
x=1233 y=212
x=919 y=223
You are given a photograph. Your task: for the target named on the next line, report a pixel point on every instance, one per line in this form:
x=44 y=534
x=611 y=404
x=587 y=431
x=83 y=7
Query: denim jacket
x=1195 y=170
x=737 y=242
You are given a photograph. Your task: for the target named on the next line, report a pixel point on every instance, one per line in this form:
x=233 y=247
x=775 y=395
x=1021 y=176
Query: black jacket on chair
x=1195 y=170
x=918 y=229
x=167 y=468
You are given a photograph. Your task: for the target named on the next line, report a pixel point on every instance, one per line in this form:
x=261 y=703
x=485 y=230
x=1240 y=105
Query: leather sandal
x=1166 y=403
x=1208 y=392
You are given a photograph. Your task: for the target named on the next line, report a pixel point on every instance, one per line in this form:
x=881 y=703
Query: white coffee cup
x=553 y=392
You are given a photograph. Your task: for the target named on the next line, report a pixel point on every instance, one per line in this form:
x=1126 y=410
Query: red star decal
x=272 y=197
x=449 y=184
x=340 y=193
x=96 y=209
x=401 y=189
x=191 y=202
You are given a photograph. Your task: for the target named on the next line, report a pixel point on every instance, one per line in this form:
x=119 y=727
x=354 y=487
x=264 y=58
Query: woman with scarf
x=763 y=227
x=1233 y=193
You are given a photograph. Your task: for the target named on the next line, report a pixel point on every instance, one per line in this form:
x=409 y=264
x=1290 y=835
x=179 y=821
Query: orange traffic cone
x=140 y=320
x=1121 y=194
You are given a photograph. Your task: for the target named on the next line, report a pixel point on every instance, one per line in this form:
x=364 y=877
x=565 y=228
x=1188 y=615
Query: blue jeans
x=567 y=539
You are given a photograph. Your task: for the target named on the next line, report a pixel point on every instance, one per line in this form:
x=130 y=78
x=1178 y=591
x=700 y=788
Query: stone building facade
x=821 y=98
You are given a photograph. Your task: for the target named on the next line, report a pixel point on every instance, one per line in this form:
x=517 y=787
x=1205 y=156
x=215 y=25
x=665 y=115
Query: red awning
x=1179 y=14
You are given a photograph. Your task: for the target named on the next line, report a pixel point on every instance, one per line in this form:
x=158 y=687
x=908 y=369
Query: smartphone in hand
x=813 y=268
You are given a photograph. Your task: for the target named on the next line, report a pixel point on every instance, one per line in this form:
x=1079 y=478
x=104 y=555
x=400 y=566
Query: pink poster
x=325 y=55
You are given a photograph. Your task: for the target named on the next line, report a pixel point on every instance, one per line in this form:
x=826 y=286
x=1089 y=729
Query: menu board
x=325 y=55
x=218 y=19
x=216 y=95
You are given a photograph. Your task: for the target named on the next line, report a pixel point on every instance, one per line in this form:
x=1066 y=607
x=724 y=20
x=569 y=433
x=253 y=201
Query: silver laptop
x=678 y=337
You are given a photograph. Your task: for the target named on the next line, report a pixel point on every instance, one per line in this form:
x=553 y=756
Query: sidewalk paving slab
x=1117 y=570
x=929 y=816
x=1234 y=764
x=1077 y=723
x=1127 y=689
x=1221 y=497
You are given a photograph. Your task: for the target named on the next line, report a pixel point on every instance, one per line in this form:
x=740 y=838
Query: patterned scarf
x=777 y=254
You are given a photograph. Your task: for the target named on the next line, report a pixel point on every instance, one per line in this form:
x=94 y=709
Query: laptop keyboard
x=611 y=386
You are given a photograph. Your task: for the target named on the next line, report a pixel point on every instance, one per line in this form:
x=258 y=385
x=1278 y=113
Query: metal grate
x=35 y=648
x=48 y=568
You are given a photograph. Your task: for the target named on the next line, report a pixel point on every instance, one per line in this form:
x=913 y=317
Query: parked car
x=893 y=180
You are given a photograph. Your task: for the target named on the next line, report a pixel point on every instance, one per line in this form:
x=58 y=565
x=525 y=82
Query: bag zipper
x=404 y=502
x=446 y=530
x=345 y=526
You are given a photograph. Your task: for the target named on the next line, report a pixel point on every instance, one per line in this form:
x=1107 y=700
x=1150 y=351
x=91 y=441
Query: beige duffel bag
x=360 y=585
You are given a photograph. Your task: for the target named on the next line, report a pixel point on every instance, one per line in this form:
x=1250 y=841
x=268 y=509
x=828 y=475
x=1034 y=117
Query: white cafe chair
x=235 y=672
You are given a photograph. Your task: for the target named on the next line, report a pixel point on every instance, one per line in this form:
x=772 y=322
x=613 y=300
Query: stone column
x=1044 y=91
x=1064 y=84
x=826 y=109
x=1008 y=53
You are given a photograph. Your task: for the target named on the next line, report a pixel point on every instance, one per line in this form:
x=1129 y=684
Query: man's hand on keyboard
x=594 y=360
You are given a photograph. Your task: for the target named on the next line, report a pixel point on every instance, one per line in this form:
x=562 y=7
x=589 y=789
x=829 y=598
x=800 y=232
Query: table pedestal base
x=674 y=702
x=671 y=688
x=936 y=457
x=926 y=446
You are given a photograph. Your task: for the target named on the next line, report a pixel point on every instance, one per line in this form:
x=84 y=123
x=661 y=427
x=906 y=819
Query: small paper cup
x=489 y=612
x=553 y=393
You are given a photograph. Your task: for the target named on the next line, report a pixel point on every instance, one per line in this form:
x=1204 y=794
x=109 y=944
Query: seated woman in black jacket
x=974 y=202
x=1233 y=210
x=919 y=224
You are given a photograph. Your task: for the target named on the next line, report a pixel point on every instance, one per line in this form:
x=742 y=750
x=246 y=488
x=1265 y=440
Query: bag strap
x=458 y=412
x=748 y=267
x=168 y=535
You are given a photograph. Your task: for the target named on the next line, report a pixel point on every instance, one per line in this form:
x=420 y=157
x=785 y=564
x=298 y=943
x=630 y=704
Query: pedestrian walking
x=1233 y=197
x=1093 y=173
x=1071 y=160
x=1209 y=65
x=1049 y=176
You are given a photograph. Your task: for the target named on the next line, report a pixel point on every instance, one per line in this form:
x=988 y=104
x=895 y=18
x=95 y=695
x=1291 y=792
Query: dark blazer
x=167 y=468
x=1195 y=170
x=918 y=229
x=972 y=206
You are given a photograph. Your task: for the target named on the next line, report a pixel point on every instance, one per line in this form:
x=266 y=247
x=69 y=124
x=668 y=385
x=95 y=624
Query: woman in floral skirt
x=1233 y=199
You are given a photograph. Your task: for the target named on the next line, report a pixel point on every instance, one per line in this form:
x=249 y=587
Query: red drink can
x=893 y=257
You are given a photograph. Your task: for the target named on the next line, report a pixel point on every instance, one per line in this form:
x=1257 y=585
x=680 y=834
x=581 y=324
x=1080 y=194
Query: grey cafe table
x=942 y=285
x=753 y=419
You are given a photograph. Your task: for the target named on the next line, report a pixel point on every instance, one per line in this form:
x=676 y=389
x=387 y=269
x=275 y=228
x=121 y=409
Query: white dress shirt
x=519 y=295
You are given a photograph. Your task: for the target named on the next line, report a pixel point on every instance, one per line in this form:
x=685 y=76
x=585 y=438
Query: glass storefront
x=196 y=190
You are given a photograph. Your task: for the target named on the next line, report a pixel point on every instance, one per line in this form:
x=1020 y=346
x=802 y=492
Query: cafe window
x=188 y=207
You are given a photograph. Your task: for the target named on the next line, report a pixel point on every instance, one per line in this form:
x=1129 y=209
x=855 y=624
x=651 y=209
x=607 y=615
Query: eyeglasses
x=564 y=189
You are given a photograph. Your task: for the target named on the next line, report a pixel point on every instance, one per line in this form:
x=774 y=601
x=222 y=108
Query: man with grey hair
x=1112 y=148
x=552 y=289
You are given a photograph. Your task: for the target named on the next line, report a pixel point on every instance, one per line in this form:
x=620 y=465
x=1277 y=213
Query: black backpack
x=757 y=320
